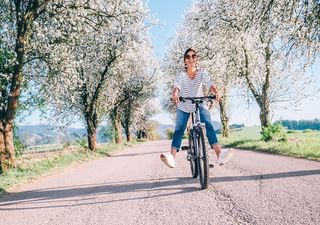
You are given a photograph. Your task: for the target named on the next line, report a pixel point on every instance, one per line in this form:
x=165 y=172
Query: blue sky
x=170 y=13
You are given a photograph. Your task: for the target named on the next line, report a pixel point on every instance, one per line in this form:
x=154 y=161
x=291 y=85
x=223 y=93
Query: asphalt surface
x=135 y=187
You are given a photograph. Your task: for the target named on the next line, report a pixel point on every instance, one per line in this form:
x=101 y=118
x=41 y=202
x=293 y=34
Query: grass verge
x=33 y=168
x=300 y=144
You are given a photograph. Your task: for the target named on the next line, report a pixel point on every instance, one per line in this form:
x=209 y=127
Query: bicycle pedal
x=184 y=148
x=211 y=166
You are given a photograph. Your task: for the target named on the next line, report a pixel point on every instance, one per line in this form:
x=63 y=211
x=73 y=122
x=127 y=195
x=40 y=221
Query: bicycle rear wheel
x=192 y=156
x=203 y=162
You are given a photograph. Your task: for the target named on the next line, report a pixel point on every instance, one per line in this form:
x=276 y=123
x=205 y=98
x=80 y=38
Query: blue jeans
x=181 y=124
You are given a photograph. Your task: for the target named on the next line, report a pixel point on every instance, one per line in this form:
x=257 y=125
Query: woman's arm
x=215 y=91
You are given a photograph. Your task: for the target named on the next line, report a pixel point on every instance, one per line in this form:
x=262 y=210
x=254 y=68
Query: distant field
x=46 y=147
x=304 y=144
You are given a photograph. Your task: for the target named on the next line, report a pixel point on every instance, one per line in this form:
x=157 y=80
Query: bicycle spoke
x=203 y=161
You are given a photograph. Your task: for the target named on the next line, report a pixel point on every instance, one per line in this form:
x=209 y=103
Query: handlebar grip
x=180 y=99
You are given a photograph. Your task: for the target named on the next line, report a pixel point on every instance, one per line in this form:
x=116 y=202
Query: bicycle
x=196 y=149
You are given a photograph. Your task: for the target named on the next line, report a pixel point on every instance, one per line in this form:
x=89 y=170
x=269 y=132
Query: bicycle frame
x=196 y=117
x=196 y=124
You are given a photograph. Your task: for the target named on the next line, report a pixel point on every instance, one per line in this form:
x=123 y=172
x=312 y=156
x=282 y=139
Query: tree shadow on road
x=102 y=193
x=266 y=176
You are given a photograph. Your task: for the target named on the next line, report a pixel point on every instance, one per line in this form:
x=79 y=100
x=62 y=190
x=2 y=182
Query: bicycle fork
x=194 y=152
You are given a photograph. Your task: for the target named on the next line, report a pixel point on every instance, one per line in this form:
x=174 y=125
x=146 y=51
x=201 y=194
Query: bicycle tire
x=203 y=161
x=193 y=159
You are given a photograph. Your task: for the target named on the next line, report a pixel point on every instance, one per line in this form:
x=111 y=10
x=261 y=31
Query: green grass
x=31 y=169
x=302 y=144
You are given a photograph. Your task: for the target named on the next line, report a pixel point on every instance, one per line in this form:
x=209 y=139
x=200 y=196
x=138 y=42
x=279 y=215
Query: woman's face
x=190 y=59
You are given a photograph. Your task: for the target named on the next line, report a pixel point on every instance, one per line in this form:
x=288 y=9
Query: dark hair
x=188 y=50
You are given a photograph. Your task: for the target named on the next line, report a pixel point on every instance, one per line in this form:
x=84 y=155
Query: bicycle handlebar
x=195 y=99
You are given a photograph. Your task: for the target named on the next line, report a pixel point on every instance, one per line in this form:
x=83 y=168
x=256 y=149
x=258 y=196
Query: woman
x=189 y=84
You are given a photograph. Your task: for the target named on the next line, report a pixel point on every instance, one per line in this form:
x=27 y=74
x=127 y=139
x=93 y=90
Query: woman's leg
x=222 y=155
x=181 y=123
x=180 y=127
x=211 y=134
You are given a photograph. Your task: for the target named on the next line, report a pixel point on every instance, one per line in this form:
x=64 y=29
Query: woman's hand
x=175 y=98
x=214 y=91
x=218 y=96
x=175 y=95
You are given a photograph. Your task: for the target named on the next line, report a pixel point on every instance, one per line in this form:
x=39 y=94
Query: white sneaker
x=168 y=159
x=224 y=156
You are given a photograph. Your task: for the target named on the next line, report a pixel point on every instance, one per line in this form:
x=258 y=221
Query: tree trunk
x=125 y=118
x=126 y=126
x=265 y=115
x=261 y=98
x=10 y=145
x=128 y=136
x=92 y=138
x=116 y=122
x=117 y=128
x=224 y=114
x=265 y=107
x=92 y=124
x=138 y=133
x=3 y=153
x=7 y=153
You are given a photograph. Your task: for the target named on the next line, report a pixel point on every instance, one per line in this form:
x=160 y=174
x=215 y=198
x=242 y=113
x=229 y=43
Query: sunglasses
x=193 y=56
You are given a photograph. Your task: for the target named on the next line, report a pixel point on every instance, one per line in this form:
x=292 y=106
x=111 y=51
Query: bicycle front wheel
x=203 y=162
x=192 y=156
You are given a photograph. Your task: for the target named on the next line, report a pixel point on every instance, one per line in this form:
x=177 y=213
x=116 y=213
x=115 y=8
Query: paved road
x=134 y=187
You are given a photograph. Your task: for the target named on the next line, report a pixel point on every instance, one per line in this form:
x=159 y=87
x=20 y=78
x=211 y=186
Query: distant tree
x=148 y=130
x=236 y=126
x=135 y=90
x=137 y=94
x=301 y=124
x=143 y=126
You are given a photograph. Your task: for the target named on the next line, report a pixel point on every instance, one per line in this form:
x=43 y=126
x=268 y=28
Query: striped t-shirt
x=191 y=88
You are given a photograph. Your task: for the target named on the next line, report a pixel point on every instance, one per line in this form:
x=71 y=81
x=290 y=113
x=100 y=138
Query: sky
x=170 y=13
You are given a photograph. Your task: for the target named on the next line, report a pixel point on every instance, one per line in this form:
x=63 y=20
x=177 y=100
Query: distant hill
x=47 y=134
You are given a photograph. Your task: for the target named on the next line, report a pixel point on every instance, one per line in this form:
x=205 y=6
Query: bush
x=307 y=131
x=19 y=147
x=83 y=142
x=274 y=132
x=169 y=133
x=291 y=132
x=66 y=145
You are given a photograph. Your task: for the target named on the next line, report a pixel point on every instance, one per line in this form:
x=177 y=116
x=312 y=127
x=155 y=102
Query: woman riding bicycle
x=189 y=83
